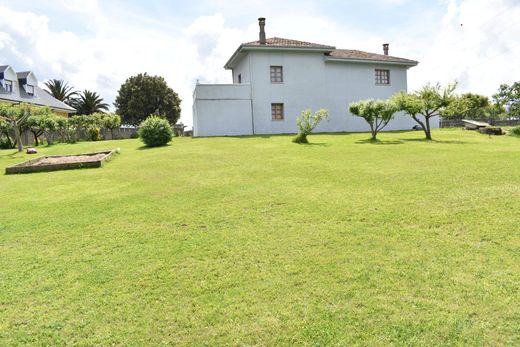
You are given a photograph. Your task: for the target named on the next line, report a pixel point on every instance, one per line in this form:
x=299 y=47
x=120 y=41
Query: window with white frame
x=276 y=74
x=29 y=89
x=8 y=86
x=382 y=76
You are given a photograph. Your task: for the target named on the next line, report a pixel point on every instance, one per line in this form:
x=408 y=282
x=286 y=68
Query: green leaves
x=143 y=95
x=377 y=113
x=307 y=121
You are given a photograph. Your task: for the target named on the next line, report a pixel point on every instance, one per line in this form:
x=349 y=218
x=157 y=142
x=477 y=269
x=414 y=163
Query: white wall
x=312 y=82
x=222 y=110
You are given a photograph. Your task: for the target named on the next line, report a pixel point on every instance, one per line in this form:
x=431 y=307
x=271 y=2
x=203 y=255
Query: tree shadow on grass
x=12 y=154
x=450 y=142
x=379 y=142
x=323 y=144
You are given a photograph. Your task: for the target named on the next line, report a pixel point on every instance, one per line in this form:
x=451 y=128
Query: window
x=382 y=76
x=239 y=78
x=8 y=86
x=29 y=89
x=277 y=111
x=276 y=74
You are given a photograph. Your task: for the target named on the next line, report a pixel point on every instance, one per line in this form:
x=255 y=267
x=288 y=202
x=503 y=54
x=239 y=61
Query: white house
x=275 y=79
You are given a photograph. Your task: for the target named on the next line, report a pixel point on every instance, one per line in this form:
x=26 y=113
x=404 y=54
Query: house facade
x=275 y=79
x=22 y=87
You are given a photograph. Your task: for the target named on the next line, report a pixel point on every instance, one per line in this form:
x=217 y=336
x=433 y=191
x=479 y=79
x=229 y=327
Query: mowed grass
x=260 y=241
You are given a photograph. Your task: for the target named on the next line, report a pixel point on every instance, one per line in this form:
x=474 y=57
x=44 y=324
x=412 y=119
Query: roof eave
x=230 y=62
x=410 y=63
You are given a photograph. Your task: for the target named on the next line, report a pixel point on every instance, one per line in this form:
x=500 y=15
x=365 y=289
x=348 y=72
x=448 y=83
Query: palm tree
x=90 y=102
x=62 y=91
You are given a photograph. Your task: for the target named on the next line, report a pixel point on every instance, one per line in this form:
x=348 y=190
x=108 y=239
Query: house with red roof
x=274 y=79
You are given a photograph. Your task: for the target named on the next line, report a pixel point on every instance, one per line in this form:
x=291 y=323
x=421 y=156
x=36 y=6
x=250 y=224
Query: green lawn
x=259 y=241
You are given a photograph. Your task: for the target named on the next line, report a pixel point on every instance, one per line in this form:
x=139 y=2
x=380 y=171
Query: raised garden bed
x=61 y=162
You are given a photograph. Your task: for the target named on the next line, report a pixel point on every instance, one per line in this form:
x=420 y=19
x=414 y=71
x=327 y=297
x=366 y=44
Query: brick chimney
x=261 y=23
x=385 y=48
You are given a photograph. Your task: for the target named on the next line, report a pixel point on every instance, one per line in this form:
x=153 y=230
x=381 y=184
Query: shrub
x=515 y=131
x=134 y=135
x=306 y=123
x=94 y=134
x=155 y=131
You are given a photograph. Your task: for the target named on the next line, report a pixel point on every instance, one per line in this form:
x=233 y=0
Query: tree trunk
x=18 y=137
x=427 y=129
x=36 y=143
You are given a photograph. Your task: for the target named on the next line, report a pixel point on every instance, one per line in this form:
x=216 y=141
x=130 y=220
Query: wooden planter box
x=61 y=162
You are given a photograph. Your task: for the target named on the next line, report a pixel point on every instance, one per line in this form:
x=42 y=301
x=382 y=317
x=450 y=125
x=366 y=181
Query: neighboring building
x=22 y=87
x=275 y=79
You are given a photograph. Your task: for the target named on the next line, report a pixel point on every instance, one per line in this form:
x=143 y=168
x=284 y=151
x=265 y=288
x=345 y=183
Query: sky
x=98 y=44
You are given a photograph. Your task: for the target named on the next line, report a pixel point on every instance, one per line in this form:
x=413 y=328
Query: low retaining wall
x=451 y=123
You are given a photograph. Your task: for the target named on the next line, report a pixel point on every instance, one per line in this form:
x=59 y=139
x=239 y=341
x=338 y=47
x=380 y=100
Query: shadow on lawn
x=12 y=154
x=450 y=142
x=379 y=142
x=144 y=147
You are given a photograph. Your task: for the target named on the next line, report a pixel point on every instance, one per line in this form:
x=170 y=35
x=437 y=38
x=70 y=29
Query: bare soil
x=70 y=159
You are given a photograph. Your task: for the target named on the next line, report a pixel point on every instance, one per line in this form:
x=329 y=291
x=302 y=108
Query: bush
x=515 y=131
x=306 y=123
x=94 y=134
x=134 y=135
x=155 y=131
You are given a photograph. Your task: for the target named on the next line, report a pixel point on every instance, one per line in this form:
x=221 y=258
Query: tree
x=62 y=91
x=16 y=116
x=509 y=95
x=143 y=95
x=90 y=102
x=428 y=102
x=467 y=106
x=377 y=113
x=111 y=121
x=306 y=123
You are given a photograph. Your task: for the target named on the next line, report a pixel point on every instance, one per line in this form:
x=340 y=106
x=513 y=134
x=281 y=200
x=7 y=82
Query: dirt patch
x=71 y=159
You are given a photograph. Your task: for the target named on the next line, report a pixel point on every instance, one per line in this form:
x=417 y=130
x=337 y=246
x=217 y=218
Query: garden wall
x=121 y=133
x=455 y=123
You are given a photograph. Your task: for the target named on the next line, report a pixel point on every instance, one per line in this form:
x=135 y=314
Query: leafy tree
x=377 y=113
x=16 y=117
x=467 y=106
x=428 y=102
x=89 y=102
x=111 y=121
x=62 y=91
x=306 y=123
x=6 y=129
x=509 y=95
x=143 y=95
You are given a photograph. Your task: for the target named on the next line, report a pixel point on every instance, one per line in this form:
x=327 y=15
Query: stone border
x=27 y=167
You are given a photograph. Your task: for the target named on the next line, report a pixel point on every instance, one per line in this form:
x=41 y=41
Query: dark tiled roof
x=3 y=68
x=40 y=97
x=280 y=42
x=360 y=55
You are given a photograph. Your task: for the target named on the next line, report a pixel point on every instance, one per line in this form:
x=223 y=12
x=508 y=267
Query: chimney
x=385 y=48
x=261 y=23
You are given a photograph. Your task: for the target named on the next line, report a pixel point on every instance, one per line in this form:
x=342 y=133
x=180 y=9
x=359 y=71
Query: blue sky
x=97 y=44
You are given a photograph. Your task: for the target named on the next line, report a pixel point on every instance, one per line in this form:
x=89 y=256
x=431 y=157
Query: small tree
x=111 y=121
x=428 y=102
x=377 y=113
x=467 y=105
x=16 y=117
x=306 y=123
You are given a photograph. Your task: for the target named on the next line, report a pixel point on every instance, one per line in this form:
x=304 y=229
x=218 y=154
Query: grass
x=260 y=241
